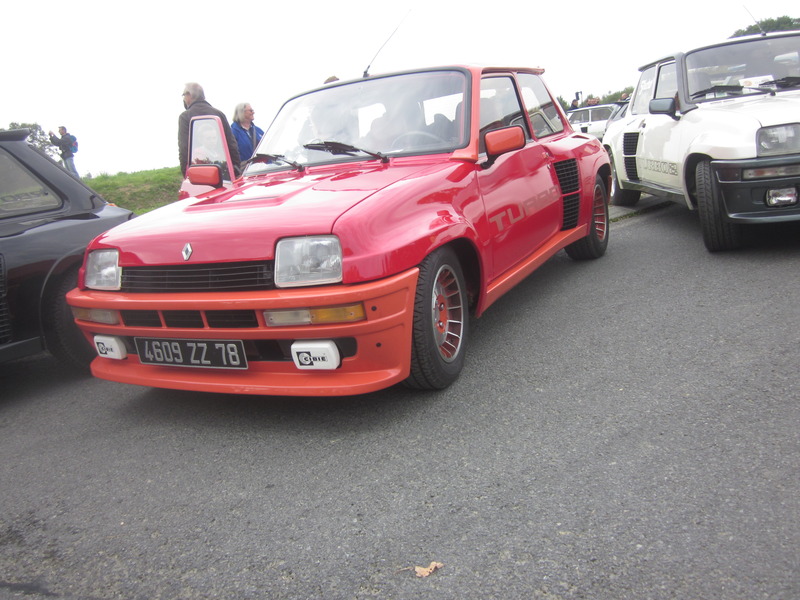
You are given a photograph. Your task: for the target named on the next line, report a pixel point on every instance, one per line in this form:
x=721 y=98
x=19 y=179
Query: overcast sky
x=113 y=72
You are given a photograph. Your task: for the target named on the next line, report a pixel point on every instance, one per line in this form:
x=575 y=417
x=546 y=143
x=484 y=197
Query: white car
x=591 y=119
x=717 y=128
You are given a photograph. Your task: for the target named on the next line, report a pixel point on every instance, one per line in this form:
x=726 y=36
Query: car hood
x=244 y=222
x=767 y=110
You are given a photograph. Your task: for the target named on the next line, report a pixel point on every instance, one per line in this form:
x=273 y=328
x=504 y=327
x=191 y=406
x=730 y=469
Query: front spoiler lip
x=384 y=339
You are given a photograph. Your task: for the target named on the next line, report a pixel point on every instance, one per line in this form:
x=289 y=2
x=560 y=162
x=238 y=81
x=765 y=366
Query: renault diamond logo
x=187 y=251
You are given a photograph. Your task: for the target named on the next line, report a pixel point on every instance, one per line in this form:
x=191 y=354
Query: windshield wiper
x=784 y=82
x=342 y=148
x=717 y=88
x=274 y=158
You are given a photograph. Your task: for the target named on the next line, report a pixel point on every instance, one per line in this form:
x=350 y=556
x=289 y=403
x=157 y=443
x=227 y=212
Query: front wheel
x=63 y=338
x=441 y=322
x=718 y=234
x=595 y=243
x=620 y=197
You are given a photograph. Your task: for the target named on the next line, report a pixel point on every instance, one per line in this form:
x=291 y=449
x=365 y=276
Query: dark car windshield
x=742 y=68
x=417 y=113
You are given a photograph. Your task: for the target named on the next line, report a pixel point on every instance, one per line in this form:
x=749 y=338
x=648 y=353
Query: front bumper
x=745 y=199
x=376 y=352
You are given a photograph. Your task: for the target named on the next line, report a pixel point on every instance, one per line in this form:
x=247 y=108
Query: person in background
x=194 y=101
x=65 y=143
x=246 y=132
x=575 y=104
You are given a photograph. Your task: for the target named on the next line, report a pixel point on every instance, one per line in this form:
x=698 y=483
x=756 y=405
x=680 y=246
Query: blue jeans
x=69 y=165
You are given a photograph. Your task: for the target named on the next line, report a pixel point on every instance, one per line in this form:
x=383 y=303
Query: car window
x=667 y=82
x=206 y=145
x=601 y=114
x=409 y=113
x=542 y=111
x=499 y=106
x=717 y=71
x=21 y=192
x=576 y=116
x=644 y=92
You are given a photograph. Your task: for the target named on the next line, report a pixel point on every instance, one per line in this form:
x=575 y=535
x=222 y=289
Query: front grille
x=572 y=207
x=183 y=319
x=191 y=319
x=231 y=277
x=567 y=173
x=5 y=313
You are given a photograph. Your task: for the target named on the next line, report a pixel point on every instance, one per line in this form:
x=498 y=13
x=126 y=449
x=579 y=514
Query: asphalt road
x=625 y=428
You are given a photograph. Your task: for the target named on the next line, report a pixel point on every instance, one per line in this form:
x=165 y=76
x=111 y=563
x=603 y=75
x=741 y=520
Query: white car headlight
x=781 y=139
x=103 y=271
x=313 y=260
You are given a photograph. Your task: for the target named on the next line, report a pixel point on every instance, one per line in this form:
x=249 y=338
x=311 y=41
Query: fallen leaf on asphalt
x=425 y=571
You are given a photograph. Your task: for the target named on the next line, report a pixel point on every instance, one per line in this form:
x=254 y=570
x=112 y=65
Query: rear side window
x=21 y=192
x=542 y=111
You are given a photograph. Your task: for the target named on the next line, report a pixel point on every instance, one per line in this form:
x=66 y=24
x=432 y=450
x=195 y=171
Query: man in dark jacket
x=194 y=100
x=64 y=144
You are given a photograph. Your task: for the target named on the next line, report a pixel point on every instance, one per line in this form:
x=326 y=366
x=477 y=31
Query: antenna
x=754 y=20
x=366 y=71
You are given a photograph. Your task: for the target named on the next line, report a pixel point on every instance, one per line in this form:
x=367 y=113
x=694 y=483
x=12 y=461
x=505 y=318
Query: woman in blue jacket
x=245 y=131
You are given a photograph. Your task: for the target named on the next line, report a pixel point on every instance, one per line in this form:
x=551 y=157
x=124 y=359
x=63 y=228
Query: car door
x=521 y=199
x=658 y=136
x=210 y=164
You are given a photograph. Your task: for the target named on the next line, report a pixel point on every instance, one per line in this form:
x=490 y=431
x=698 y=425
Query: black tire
x=620 y=197
x=63 y=338
x=595 y=243
x=718 y=233
x=441 y=322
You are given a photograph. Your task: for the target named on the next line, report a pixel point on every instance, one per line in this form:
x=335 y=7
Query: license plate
x=210 y=354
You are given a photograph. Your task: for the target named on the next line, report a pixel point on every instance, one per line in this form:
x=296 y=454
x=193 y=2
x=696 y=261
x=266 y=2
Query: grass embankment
x=139 y=192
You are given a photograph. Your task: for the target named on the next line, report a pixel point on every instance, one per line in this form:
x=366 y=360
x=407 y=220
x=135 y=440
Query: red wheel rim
x=600 y=213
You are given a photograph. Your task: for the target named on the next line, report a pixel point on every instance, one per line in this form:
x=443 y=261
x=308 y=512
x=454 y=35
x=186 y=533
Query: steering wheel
x=397 y=144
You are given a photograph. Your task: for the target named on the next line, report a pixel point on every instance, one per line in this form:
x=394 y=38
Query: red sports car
x=377 y=217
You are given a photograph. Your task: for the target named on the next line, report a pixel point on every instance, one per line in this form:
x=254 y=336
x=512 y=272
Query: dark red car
x=377 y=218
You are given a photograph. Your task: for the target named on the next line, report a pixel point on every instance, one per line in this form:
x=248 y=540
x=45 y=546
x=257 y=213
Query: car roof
x=14 y=135
x=729 y=41
x=475 y=69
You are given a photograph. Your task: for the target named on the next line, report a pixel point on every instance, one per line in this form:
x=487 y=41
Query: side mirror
x=205 y=175
x=663 y=106
x=500 y=141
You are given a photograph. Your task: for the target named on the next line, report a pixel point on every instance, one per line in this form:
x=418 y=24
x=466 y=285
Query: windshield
x=752 y=67
x=418 y=113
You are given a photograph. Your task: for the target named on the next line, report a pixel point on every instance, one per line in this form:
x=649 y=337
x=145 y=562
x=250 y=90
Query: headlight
x=314 y=260
x=102 y=270
x=781 y=139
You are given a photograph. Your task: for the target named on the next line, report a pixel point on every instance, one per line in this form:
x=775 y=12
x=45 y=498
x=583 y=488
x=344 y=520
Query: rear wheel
x=718 y=233
x=595 y=243
x=441 y=322
x=621 y=197
x=63 y=337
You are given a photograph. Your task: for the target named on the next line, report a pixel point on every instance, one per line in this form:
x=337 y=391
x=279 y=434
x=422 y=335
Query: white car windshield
x=754 y=66
x=418 y=113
